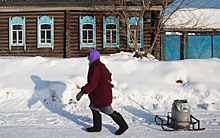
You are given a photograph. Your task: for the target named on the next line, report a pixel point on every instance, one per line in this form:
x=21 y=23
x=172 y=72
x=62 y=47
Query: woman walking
x=99 y=89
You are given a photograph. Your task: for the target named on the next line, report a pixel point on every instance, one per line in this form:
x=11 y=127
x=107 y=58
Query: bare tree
x=125 y=9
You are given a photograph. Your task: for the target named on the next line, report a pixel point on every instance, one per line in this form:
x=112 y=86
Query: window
x=133 y=34
x=110 y=32
x=17 y=32
x=45 y=33
x=87 y=37
x=87 y=32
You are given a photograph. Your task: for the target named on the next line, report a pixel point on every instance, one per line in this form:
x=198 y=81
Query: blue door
x=200 y=47
x=173 y=47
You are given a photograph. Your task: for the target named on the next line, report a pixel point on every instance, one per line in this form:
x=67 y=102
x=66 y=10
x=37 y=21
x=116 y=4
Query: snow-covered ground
x=35 y=94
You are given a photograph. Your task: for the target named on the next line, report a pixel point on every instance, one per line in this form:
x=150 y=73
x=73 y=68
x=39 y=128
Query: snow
x=194 y=18
x=35 y=94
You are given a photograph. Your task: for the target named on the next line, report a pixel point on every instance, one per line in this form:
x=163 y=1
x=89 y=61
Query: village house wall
x=66 y=34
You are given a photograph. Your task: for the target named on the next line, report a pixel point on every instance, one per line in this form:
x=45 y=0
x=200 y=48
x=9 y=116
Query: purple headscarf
x=94 y=55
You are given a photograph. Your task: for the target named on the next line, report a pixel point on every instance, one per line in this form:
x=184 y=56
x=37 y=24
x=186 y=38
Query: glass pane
x=90 y=41
x=132 y=35
x=114 y=41
x=114 y=36
x=48 y=35
x=133 y=27
x=20 y=36
x=42 y=36
x=108 y=33
x=14 y=36
x=108 y=36
x=84 y=34
x=139 y=36
x=45 y=26
x=110 y=26
x=90 y=34
x=87 y=26
x=17 y=27
x=84 y=41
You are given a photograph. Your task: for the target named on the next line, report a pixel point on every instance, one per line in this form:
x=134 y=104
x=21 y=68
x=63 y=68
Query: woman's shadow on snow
x=49 y=93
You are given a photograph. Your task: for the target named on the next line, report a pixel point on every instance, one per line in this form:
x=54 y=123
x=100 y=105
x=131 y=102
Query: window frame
x=87 y=20
x=132 y=21
x=87 y=30
x=40 y=39
x=41 y=21
x=111 y=34
x=106 y=21
x=16 y=21
x=17 y=35
x=135 y=33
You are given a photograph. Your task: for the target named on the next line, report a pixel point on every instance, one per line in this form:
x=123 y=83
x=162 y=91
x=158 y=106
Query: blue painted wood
x=216 y=46
x=16 y=21
x=87 y=20
x=45 y=20
x=134 y=20
x=110 y=20
x=200 y=47
x=173 y=47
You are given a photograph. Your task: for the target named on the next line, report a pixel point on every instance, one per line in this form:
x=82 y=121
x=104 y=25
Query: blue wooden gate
x=199 y=47
x=173 y=47
x=216 y=46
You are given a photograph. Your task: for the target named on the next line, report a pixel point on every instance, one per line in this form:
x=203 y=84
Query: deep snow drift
x=35 y=93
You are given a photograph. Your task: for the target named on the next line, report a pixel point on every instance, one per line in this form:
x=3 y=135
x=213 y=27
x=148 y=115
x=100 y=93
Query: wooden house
x=69 y=28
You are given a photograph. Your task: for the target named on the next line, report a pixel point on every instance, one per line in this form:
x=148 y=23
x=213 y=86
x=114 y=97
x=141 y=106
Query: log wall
x=66 y=34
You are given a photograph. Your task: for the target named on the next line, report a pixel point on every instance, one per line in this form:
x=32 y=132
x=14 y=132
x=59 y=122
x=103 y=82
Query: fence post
x=185 y=45
x=163 y=46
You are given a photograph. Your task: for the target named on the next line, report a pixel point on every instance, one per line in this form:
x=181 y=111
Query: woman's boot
x=97 y=121
x=123 y=126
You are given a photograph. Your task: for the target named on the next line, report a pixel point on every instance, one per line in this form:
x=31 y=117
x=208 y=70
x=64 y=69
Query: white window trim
x=87 y=33
x=17 y=35
x=135 y=33
x=45 y=34
x=111 y=34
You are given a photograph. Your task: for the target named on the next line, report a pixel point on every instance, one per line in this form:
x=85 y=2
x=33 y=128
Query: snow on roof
x=195 y=18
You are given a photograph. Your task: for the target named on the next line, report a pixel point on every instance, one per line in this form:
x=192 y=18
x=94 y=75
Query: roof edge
x=95 y=8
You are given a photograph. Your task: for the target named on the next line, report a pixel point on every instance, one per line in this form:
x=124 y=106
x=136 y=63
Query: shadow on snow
x=49 y=93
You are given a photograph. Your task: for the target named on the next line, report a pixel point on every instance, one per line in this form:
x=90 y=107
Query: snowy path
x=33 y=123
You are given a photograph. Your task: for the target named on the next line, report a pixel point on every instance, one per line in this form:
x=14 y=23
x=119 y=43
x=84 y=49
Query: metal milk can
x=180 y=115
